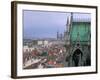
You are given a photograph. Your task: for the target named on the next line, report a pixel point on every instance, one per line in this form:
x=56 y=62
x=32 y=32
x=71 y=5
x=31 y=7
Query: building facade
x=78 y=42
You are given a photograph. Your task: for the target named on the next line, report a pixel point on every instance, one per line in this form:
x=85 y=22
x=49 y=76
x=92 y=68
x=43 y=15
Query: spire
x=78 y=40
x=57 y=35
x=71 y=19
x=69 y=22
x=78 y=37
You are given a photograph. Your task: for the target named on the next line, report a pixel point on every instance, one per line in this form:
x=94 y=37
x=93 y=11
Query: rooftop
x=79 y=17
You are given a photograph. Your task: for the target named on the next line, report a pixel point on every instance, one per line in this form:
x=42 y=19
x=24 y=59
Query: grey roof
x=81 y=17
x=81 y=20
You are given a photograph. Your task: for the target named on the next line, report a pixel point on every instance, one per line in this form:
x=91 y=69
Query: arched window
x=76 y=56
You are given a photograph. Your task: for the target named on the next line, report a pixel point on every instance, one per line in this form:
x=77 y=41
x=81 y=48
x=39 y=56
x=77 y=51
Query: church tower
x=68 y=29
x=57 y=35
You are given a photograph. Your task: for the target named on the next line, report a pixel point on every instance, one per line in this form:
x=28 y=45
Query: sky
x=43 y=24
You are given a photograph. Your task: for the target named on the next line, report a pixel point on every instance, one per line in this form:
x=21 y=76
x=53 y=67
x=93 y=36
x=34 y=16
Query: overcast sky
x=42 y=24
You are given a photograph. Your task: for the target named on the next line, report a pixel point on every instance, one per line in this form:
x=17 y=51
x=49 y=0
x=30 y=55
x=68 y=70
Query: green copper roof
x=81 y=28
